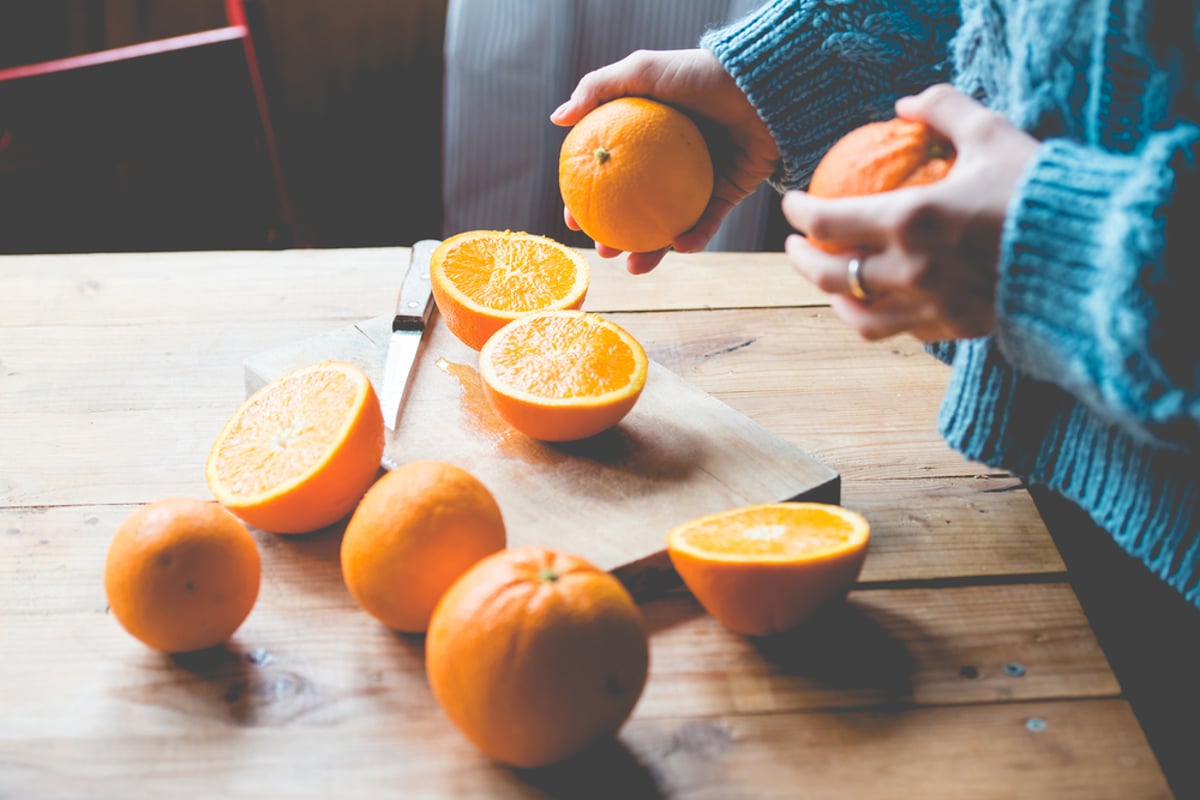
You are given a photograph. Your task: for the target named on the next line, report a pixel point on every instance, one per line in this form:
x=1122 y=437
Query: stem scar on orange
x=484 y=279
x=534 y=654
x=182 y=574
x=635 y=173
x=300 y=452
x=764 y=569
x=562 y=375
x=880 y=157
x=413 y=534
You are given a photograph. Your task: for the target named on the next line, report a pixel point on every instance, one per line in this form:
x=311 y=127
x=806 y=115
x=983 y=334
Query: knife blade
x=414 y=305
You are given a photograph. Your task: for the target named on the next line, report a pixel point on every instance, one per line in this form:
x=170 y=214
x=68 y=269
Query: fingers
x=635 y=74
x=829 y=272
x=957 y=116
x=860 y=222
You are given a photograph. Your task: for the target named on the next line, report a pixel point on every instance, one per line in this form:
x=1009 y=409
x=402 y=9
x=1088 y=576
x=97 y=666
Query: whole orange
x=182 y=574
x=414 y=532
x=880 y=157
x=534 y=654
x=635 y=173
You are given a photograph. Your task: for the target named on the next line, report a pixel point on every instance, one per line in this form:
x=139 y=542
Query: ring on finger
x=854 y=277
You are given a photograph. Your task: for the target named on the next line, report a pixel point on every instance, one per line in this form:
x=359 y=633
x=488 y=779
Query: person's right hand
x=694 y=81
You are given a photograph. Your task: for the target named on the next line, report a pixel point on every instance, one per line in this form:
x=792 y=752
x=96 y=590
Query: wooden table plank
x=1087 y=750
x=885 y=648
x=345 y=284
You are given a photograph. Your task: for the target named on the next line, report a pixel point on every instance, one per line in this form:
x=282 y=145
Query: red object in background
x=162 y=145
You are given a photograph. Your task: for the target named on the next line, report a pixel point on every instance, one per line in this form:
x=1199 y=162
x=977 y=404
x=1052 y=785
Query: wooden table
x=962 y=665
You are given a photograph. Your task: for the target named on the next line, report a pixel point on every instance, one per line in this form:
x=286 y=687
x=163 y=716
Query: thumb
x=943 y=108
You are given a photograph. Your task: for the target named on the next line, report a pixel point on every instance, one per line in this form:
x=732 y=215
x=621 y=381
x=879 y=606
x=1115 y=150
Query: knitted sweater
x=1090 y=382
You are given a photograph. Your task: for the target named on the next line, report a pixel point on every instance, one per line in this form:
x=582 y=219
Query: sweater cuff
x=815 y=69
x=1052 y=254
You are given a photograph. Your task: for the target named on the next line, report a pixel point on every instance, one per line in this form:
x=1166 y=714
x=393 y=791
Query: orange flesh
x=564 y=357
x=281 y=438
x=765 y=534
x=516 y=275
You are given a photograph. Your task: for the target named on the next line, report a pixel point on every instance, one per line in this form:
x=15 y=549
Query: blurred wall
x=355 y=88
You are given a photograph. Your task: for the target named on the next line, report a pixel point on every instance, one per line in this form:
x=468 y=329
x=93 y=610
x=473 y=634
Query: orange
x=483 y=279
x=879 y=157
x=534 y=654
x=562 y=375
x=182 y=574
x=416 y=530
x=300 y=452
x=762 y=569
x=635 y=174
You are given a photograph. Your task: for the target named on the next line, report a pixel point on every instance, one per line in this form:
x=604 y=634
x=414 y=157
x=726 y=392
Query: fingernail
x=559 y=111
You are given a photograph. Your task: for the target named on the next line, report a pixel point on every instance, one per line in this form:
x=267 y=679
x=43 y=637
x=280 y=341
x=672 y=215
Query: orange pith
x=563 y=375
x=299 y=453
x=635 y=173
x=484 y=279
x=766 y=568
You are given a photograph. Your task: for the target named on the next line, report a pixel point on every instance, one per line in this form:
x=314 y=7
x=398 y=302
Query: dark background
x=167 y=152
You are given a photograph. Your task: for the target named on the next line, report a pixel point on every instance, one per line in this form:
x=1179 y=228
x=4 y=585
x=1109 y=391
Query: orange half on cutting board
x=562 y=375
x=482 y=280
x=767 y=568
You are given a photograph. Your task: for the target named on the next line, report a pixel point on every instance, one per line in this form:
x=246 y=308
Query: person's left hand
x=928 y=253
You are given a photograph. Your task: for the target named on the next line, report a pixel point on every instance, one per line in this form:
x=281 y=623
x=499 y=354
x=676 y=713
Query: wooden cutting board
x=612 y=498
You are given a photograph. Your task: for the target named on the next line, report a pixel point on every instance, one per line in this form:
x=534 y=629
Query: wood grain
x=345 y=285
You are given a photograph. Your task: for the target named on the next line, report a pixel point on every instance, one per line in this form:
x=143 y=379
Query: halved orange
x=300 y=452
x=766 y=568
x=562 y=375
x=484 y=279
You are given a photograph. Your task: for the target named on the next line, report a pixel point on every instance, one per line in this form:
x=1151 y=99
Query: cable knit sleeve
x=814 y=69
x=1099 y=279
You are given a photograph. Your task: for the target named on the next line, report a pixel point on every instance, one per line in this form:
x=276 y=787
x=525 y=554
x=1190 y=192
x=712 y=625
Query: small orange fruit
x=182 y=574
x=879 y=157
x=766 y=568
x=415 y=532
x=483 y=279
x=300 y=452
x=562 y=375
x=534 y=654
x=635 y=173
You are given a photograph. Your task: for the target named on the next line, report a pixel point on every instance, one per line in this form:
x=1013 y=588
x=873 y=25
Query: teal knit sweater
x=1090 y=383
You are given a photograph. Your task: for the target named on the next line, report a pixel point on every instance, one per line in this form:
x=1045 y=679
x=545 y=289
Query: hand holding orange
x=635 y=173
x=880 y=157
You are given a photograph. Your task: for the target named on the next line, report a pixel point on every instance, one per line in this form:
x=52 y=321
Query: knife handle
x=415 y=301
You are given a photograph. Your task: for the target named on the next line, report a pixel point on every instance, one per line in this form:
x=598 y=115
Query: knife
x=413 y=308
